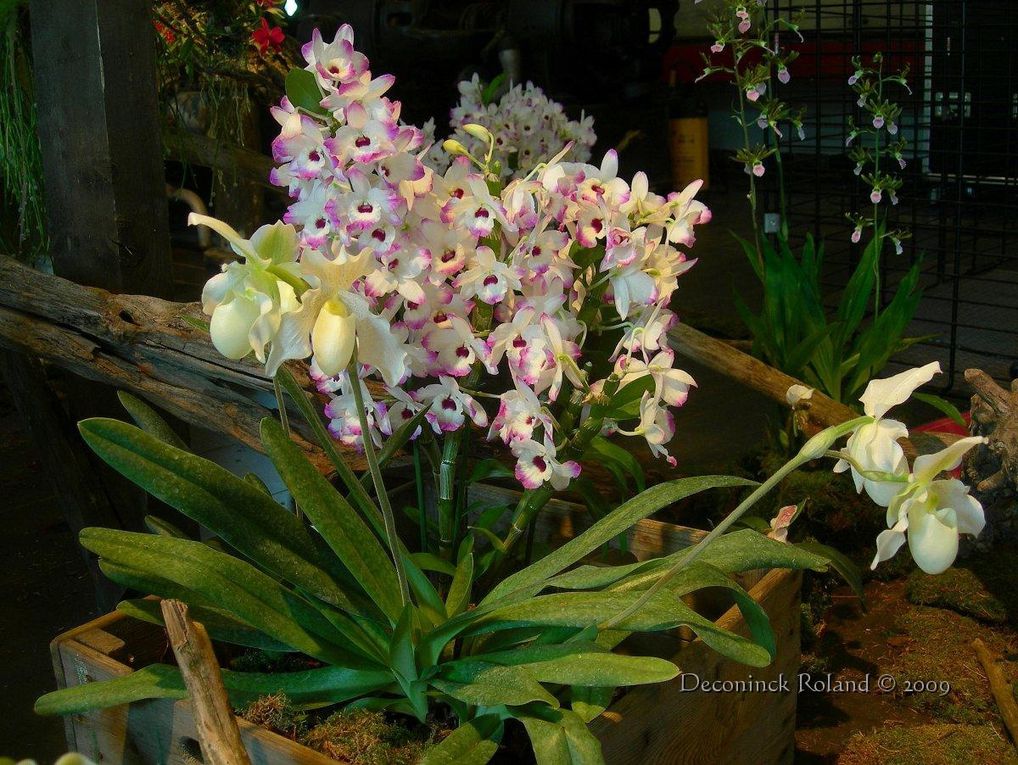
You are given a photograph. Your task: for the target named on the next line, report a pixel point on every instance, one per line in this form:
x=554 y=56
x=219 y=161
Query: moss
x=279 y=714
x=367 y=738
x=929 y=745
x=933 y=644
x=983 y=588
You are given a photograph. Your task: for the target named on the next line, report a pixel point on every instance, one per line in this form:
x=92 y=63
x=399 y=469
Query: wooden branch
x=994 y=466
x=217 y=728
x=1000 y=688
x=150 y=347
x=820 y=411
x=208 y=152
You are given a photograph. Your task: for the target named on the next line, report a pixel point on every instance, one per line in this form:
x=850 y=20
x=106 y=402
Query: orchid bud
x=452 y=146
x=231 y=324
x=332 y=338
x=478 y=131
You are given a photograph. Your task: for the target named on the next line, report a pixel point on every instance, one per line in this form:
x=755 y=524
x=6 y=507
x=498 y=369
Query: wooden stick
x=999 y=687
x=217 y=728
x=820 y=411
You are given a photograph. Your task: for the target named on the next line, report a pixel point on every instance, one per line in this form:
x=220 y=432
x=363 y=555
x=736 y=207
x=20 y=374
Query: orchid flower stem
x=746 y=142
x=698 y=549
x=371 y=456
x=817 y=446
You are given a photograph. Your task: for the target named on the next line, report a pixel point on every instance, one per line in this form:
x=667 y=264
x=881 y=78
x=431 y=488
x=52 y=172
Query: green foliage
x=837 y=355
x=531 y=648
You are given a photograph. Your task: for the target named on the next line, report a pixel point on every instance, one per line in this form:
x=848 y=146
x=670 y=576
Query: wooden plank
x=99 y=128
x=665 y=725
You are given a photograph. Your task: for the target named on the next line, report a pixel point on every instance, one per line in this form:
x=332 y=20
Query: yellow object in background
x=687 y=138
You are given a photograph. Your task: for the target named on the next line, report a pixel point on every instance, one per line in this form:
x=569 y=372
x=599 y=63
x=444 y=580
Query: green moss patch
x=982 y=587
x=929 y=745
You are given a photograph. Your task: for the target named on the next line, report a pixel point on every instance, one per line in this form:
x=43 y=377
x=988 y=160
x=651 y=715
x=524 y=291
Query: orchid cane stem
x=284 y=421
x=376 y=476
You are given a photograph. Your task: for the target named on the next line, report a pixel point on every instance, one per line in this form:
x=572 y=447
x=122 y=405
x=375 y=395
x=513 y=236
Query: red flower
x=165 y=32
x=266 y=37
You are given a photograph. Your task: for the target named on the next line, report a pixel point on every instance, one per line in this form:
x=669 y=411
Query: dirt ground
x=928 y=699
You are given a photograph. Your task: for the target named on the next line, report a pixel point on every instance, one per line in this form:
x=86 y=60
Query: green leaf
x=303 y=91
x=222 y=626
x=484 y=684
x=357 y=491
x=613 y=453
x=532 y=579
x=336 y=520
x=156 y=681
x=488 y=94
x=321 y=685
x=560 y=737
x=237 y=587
x=245 y=517
x=584 y=663
x=431 y=606
x=487 y=469
x=942 y=405
x=459 y=591
x=472 y=743
x=590 y=702
x=148 y=419
x=164 y=528
x=431 y=562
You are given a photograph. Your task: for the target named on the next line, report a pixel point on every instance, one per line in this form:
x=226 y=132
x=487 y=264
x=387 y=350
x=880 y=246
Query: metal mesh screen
x=959 y=200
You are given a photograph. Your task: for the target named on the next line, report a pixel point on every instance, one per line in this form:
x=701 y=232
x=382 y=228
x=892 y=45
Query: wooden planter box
x=650 y=724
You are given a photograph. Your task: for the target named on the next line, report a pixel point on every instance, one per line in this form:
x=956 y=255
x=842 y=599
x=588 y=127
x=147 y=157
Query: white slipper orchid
x=873 y=447
x=932 y=512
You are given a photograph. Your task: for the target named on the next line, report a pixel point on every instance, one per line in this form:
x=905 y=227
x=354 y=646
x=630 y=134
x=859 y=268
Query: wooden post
x=217 y=728
x=106 y=214
x=99 y=127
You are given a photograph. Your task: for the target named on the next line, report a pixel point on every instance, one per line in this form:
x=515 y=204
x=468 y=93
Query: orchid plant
x=455 y=289
x=526 y=126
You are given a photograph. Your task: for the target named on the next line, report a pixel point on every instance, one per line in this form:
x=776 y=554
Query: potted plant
x=546 y=293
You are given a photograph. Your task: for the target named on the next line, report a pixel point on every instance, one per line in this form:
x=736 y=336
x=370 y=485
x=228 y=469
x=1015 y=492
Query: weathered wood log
x=993 y=468
x=218 y=733
x=154 y=348
x=819 y=411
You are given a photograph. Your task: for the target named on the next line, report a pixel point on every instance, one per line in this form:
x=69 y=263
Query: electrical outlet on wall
x=772 y=223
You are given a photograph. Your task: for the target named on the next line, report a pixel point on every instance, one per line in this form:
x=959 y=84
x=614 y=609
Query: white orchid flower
x=873 y=447
x=932 y=512
x=332 y=319
x=249 y=298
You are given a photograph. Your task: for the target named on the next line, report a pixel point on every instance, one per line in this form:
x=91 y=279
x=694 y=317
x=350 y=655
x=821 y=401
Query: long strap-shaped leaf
x=483 y=684
x=530 y=580
x=232 y=508
x=664 y=611
x=472 y=743
x=744 y=550
x=560 y=737
x=336 y=520
x=325 y=685
x=235 y=585
x=582 y=663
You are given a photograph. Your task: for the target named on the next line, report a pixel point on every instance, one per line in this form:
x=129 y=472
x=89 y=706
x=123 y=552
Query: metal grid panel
x=960 y=198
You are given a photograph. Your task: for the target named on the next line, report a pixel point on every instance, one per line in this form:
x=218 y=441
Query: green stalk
x=877 y=230
x=814 y=448
x=284 y=421
x=376 y=476
x=752 y=178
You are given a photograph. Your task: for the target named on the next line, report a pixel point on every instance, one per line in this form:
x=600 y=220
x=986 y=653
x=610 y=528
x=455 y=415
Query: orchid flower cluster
x=877 y=144
x=757 y=62
x=527 y=127
x=446 y=283
x=927 y=510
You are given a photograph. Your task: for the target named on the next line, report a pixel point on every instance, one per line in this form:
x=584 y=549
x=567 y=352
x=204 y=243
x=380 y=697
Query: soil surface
x=925 y=684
